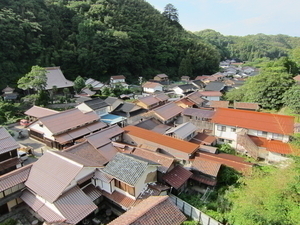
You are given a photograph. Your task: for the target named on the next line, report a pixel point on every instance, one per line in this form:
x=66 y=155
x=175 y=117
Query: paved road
x=38 y=147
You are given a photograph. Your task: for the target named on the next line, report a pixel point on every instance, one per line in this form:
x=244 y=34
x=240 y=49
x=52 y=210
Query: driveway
x=38 y=147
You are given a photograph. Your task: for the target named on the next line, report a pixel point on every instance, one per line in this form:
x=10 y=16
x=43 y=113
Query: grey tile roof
x=129 y=107
x=95 y=104
x=198 y=112
x=198 y=83
x=56 y=78
x=54 y=171
x=154 y=125
x=127 y=168
x=7 y=142
x=187 y=87
x=183 y=130
x=214 y=86
x=112 y=100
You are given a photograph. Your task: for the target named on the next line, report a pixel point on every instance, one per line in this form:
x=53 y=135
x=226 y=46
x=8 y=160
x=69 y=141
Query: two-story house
x=126 y=175
x=241 y=129
x=167 y=113
x=59 y=187
x=99 y=106
x=62 y=129
x=151 y=87
x=185 y=131
x=161 y=77
x=9 y=159
x=118 y=80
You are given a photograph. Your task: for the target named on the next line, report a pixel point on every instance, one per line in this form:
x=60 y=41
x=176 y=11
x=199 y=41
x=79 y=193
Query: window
x=278 y=136
x=229 y=141
x=221 y=128
x=233 y=129
x=262 y=133
x=124 y=187
x=221 y=140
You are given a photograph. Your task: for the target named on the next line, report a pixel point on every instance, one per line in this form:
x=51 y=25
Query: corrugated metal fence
x=193 y=212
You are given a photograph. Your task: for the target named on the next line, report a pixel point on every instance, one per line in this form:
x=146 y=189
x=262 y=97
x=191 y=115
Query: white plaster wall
x=42 y=129
x=141 y=182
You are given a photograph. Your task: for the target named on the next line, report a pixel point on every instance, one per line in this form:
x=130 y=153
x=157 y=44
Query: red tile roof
x=272 y=145
x=185 y=101
x=211 y=93
x=161 y=139
x=117 y=77
x=218 y=104
x=206 y=166
x=151 y=84
x=204 y=139
x=297 y=78
x=158 y=210
x=268 y=122
x=14 y=177
x=177 y=176
x=120 y=199
x=204 y=180
x=236 y=162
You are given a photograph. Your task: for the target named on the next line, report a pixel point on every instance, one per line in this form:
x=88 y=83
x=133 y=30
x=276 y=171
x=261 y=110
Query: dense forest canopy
x=251 y=47
x=97 y=38
x=100 y=38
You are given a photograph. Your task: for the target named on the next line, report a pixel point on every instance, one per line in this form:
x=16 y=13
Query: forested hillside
x=251 y=47
x=97 y=38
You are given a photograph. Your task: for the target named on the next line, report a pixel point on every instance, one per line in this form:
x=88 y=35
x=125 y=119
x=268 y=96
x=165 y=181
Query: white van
x=22 y=155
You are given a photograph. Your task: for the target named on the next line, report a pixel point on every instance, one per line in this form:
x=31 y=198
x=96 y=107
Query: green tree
x=267 y=197
x=79 y=83
x=185 y=67
x=36 y=79
x=171 y=12
x=291 y=98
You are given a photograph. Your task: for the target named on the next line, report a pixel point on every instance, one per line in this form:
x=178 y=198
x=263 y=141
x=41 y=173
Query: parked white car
x=22 y=155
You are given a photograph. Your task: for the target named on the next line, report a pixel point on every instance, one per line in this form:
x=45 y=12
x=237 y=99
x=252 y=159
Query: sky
x=237 y=17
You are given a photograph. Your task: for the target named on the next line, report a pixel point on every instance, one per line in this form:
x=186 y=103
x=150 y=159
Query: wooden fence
x=193 y=212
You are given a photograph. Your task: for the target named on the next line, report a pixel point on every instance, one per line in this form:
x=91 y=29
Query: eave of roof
x=268 y=122
x=164 y=140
